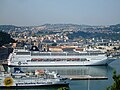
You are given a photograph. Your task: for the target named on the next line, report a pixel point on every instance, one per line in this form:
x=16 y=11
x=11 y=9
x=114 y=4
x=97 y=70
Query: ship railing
x=48 y=54
x=63 y=54
x=22 y=53
x=57 y=59
x=19 y=48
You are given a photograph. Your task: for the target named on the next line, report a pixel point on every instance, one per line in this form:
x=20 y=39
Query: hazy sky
x=37 y=12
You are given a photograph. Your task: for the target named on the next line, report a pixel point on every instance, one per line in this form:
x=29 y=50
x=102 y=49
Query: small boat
x=19 y=79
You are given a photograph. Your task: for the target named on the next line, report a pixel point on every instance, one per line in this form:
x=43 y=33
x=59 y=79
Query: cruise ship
x=77 y=57
x=38 y=78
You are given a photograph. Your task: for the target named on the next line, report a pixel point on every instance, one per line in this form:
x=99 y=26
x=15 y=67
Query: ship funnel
x=34 y=48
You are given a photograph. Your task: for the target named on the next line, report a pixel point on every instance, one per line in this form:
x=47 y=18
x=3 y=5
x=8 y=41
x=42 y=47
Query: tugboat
x=20 y=79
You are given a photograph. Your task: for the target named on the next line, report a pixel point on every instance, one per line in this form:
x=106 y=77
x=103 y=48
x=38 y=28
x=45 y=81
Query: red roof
x=40 y=71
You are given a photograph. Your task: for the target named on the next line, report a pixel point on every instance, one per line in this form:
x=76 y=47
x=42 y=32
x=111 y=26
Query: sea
x=106 y=71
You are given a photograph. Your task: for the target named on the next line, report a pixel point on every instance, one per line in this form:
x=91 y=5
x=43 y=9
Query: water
x=81 y=70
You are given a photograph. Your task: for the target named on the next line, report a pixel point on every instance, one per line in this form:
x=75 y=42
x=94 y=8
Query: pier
x=84 y=77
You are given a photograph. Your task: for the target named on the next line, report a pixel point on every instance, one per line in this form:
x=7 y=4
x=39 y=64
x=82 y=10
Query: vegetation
x=78 y=31
x=116 y=84
x=63 y=88
x=113 y=36
x=115 y=28
x=7 y=27
x=5 y=38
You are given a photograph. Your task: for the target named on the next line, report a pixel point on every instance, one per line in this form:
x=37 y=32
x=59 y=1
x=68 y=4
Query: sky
x=38 y=12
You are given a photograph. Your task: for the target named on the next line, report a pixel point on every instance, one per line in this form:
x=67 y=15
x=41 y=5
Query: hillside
x=72 y=30
x=5 y=38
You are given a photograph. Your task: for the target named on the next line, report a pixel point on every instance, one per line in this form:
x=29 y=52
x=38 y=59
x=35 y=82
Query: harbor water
x=94 y=71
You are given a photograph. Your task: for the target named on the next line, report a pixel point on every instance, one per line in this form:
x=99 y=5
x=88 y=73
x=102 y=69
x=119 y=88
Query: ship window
x=45 y=54
x=23 y=53
x=28 y=60
x=58 y=54
x=50 y=76
x=35 y=54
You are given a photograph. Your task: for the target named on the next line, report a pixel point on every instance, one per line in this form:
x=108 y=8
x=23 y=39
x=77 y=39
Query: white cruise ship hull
x=102 y=61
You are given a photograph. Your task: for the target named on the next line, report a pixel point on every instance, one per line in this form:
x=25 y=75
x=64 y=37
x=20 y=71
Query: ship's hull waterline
x=36 y=86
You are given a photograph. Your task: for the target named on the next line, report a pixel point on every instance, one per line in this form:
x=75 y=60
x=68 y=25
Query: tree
x=5 y=38
x=116 y=84
x=63 y=88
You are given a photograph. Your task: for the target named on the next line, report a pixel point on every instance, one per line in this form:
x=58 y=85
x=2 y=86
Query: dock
x=84 y=77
